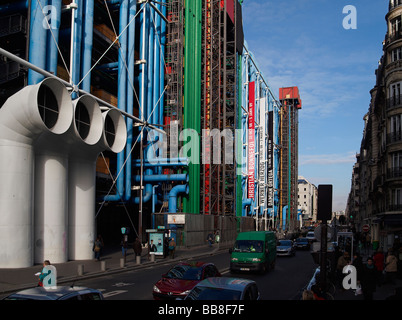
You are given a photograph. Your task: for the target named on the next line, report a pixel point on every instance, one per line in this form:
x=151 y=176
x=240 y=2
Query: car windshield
x=185 y=272
x=302 y=240
x=248 y=246
x=206 y=293
x=285 y=243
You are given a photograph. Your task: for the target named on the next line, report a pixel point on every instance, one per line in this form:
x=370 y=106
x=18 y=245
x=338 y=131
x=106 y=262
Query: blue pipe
x=121 y=96
x=144 y=22
x=163 y=178
x=161 y=161
x=13 y=7
x=284 y=209
x=174 y=193
x=37 y=42
x=246 y=202
x=53 y=53
x=111 y=65
x=132 y=10
x=87 y=44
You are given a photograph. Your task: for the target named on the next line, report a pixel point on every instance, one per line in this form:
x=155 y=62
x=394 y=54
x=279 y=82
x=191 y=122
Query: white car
x=310 y=236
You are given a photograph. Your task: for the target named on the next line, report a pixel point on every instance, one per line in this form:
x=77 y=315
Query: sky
x=304 y=43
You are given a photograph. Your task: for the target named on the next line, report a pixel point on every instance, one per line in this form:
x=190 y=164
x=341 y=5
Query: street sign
x=366 y=228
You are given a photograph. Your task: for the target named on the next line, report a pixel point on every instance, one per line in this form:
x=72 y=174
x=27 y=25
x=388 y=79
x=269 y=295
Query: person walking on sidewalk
x=98 y=245
x=379 y=259
x=137 y=247
x=124 y=245
x=391 y=267
x=210 y=239
x=172 y=248
x=369 y=279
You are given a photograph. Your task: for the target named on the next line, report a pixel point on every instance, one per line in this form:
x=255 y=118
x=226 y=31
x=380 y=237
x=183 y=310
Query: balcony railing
x=394 y=137
x=394 y=5
x=394 y=173
x=394 y=102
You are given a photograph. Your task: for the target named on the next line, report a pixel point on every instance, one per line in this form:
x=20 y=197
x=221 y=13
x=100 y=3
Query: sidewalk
x=382 y=292
x=12 y=280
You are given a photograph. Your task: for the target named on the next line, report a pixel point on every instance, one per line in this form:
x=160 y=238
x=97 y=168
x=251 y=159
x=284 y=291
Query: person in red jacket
x=379 y=259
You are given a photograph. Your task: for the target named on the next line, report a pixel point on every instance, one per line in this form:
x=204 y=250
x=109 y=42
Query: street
x=290 y=275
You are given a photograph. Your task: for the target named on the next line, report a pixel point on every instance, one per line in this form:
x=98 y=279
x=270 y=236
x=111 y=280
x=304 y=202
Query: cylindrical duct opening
x=25 y=116
x=88 y=122
x=115 y=130
x=54 y=105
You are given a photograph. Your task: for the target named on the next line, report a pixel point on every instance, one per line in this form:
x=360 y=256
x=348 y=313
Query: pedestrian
x=97 y=248
x=137 y=247
x=369 y=279
x=358 y=264
x=343 y=261
x=210 y=239
x=44 y=272
x=391 y=267
x=379 y=259
x=124 y=245
x=172 y=248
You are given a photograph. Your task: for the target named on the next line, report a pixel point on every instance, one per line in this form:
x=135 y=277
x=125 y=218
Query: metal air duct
x=82 y=175
x=24 y=117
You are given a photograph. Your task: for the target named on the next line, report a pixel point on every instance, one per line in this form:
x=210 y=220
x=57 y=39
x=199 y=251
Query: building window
x=395 y=128
x=396 y=201
x=396 y=54
x=395 y=26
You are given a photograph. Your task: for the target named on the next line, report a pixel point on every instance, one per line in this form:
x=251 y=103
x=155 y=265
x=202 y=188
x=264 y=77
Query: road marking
x=114 y=293
x=122 y=284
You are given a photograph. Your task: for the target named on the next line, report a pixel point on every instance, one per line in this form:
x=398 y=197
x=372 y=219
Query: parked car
x=223 y=288
x=302 y=243
x=285 y=248
x=57 y=293
x=310 y=236
x=180 y=279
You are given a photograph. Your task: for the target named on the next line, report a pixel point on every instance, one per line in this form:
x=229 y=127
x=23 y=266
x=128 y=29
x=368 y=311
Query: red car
x=179 y=280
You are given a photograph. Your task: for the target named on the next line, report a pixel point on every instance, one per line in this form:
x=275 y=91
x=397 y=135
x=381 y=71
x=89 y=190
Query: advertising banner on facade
x=270 y=165
x=251 y=139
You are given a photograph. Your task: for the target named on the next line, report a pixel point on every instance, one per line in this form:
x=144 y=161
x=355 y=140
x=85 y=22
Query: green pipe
x=192 y=94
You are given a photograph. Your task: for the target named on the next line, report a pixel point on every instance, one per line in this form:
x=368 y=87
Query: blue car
x=223 y=288
x=285 y=248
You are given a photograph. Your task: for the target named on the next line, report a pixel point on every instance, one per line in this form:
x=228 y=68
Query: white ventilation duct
x=82 y=175
x=54 y=155
x=35 y=110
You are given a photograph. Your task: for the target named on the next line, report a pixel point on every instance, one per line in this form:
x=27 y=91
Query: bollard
x=122 y=262
x=138 y=259
x=80 y=269
x=103 y=265
x=152 y=258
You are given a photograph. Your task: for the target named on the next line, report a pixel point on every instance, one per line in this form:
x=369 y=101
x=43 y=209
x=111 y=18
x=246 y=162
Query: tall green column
x=192 y=95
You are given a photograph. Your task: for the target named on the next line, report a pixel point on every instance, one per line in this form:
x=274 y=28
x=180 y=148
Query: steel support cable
x=111 y=45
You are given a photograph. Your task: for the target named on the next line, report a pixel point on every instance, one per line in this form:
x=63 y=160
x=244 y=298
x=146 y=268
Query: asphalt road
x=290 y=275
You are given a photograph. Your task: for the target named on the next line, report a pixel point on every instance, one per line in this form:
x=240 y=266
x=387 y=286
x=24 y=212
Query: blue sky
x=303 y=43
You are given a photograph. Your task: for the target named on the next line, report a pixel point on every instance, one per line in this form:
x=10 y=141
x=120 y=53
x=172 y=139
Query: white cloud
x=327 y=159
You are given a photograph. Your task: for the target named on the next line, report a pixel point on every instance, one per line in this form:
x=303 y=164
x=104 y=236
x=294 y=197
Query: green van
x=253 y=251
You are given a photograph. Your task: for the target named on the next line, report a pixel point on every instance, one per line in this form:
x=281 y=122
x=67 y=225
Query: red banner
x=251 y=139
